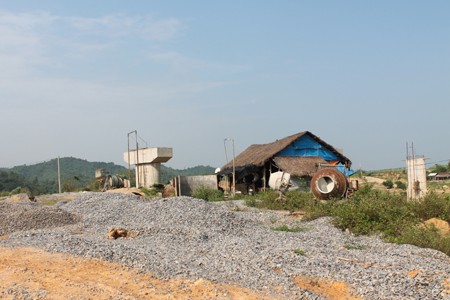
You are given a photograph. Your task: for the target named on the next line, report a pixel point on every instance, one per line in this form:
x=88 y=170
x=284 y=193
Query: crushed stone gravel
x=191 y=238
x=20 y=216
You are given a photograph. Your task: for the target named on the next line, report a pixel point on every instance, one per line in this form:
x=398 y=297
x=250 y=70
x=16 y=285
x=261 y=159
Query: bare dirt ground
x=29 y=273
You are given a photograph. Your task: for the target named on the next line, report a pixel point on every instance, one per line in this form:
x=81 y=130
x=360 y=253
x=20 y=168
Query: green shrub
x=431 y=206
x=388 y=184
x=208 y=194
x=374 y=212
x=425 y=238
x=94 y=185
x=16 y=191
x=400 y=185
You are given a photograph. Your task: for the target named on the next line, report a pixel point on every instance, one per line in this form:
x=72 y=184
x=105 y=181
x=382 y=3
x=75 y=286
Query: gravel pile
x=20 y=216
x=186 y=237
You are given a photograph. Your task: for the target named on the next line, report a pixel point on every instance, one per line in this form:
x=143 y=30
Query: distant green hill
x=76 y=174
x=70 y=168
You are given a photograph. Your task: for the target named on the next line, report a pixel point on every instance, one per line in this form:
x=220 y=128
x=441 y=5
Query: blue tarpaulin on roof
x=306 y=146
x=347 y=172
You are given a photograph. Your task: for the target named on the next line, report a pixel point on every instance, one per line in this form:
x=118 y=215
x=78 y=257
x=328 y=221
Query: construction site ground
x=30 y=273
x=35 y=274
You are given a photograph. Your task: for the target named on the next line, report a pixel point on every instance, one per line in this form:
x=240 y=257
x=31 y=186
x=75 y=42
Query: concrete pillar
x=417 y=177
x=148 y=164
x=148 y=174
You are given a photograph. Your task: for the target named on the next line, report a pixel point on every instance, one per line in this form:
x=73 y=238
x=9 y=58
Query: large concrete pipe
x=328 y=183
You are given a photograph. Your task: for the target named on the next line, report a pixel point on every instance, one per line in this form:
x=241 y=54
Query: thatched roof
x=258 y=154
x=299 y=166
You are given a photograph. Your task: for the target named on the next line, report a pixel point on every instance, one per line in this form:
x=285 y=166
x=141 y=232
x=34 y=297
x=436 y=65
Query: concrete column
x=417 y=178
x=148 y=164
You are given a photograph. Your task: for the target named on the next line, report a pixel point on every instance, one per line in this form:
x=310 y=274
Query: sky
x=367 y=77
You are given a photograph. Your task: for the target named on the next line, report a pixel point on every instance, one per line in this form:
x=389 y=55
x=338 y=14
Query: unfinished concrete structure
x=148 y=164
x=417 y=177
x=417 y=174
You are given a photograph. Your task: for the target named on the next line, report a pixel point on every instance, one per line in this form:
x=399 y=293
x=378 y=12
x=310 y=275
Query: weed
x=299 y=252
x=208 y=194
x=425 y=238
x=294 y=200
x=287 y=229
x=351 y=246
x=152 y=192
x=251 y=202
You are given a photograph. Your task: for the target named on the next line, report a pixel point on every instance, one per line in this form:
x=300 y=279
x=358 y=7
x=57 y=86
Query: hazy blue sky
x=365 y=76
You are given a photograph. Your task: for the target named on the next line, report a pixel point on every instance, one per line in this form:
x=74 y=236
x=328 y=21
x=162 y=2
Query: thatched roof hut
x=300 y=160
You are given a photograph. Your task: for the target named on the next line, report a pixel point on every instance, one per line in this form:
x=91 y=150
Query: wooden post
x=59 y=177
x=264 y=177
x=234 y=172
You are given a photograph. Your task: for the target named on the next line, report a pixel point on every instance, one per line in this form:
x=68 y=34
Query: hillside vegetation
x=76 y=174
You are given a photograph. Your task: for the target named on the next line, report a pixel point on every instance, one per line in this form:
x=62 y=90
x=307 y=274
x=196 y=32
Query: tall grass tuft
x=432 y=206
x=208 y=194
x=423 y=237
x=374 y=211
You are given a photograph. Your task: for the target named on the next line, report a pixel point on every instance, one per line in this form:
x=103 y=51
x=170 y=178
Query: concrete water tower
x=148 y=163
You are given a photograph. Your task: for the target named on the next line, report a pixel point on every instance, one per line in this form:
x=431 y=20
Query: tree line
x=76 y=174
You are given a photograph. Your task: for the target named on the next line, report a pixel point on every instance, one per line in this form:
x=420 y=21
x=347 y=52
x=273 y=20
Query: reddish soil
x=29 y=272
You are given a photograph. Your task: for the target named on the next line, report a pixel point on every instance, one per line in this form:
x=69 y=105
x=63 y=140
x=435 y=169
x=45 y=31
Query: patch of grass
x=370 y=211
x=439 y=186
x=395 y=218
x=299 y=252
x=49 y=202
x=431 y=206
x=267 y=200
x=151 y=192
x=251 y=202
x=294 y=201
x=425 y=238
x=287 y=229
x=374 y=211
x=351 y=246
x=208 y=194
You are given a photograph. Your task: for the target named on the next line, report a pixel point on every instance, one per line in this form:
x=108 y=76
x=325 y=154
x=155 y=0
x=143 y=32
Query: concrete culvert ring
x=328 y=183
